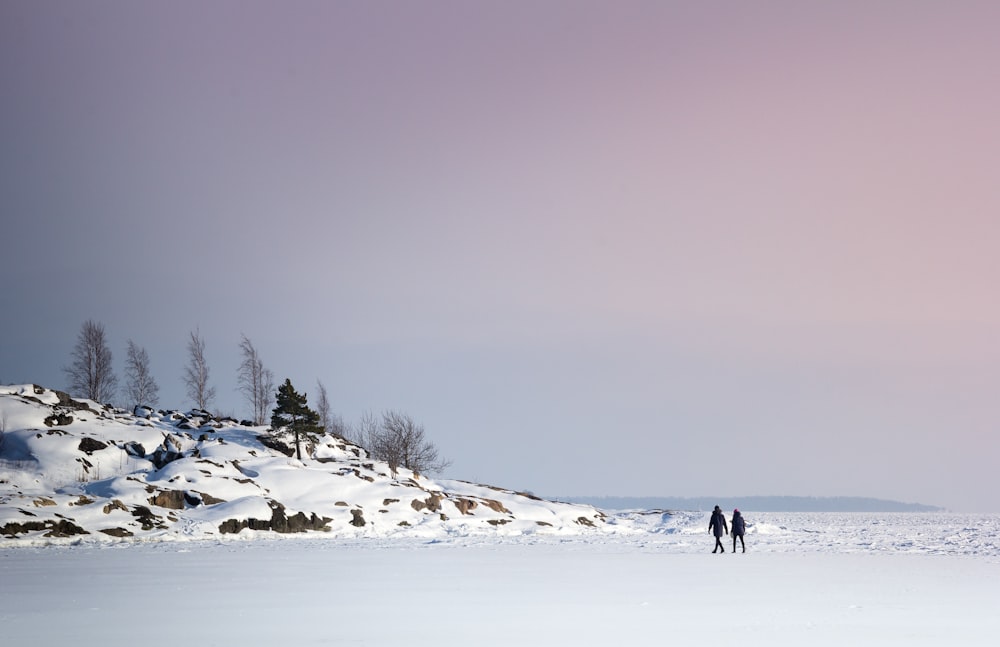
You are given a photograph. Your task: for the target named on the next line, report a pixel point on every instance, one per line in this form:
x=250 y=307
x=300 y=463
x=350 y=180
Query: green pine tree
x=294 y=414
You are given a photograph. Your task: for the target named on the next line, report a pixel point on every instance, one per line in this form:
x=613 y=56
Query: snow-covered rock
x=76 y=469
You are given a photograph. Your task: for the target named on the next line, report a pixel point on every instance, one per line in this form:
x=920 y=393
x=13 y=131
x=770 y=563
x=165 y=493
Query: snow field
x=456 y=592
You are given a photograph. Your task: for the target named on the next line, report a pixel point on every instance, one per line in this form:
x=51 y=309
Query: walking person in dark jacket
x=717 y=526
x=739 y=528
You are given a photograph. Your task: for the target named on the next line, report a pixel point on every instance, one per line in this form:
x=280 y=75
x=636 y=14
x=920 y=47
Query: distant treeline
x=754 y=503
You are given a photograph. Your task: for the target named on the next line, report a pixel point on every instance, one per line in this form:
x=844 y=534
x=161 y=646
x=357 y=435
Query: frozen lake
x=817 y=579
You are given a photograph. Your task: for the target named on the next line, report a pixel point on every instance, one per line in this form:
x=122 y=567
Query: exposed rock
x=496 y=506
x=115 y=505
x=275 y=444
x=66 y=528
x=208 y=499
x=146 y=517
x=465 y=505
x=167 y=452
x=358 y=519
x=279 y=522
x=61 y=528
x=172 y=499
x=431 y=503
x=133 y=448
x=66 y=402
x=90 y=445
x=60 y=419
x=116 y=532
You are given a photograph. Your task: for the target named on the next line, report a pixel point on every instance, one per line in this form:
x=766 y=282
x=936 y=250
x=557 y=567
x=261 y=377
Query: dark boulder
x=133 y=448
x=91 y=445
x=58 y=419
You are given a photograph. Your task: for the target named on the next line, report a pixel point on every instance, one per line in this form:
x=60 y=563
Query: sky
x=677 y=249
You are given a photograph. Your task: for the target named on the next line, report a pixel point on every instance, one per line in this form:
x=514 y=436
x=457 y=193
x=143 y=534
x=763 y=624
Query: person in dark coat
x=717 y=526
x=739 y=528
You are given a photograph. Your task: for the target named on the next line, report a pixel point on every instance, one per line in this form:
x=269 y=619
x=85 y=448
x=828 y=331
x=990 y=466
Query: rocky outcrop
x=279 y=522
x=62 y=477
x=173 y=499
x=273 y=443
x=146 y=518
x=121 y=533
x=167 y=452
x=52 y=528
x=431 y=503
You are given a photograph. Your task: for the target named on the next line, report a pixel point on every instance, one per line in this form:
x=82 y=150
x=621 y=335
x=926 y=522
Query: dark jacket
x=718 y=524
x=739 y=526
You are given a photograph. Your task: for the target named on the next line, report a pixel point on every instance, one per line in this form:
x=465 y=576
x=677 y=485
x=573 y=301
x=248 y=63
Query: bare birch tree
x=365 y=431
x=331 y=422
x=140 y=387
x=323 y=406
x=90 y=373
x=196 y=372
x=256 y=383
x=401 y=442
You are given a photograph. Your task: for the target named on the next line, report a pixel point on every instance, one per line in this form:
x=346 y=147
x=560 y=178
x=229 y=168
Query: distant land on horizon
x=753 y=503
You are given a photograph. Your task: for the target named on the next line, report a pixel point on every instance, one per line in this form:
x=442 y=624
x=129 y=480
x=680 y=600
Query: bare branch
x=196 y=373
x=90 y=373
x=140 y=387
x=399 y=441
x=256 y=383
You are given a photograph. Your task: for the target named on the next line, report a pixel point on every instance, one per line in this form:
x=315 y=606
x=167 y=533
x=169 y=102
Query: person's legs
x=741 y=544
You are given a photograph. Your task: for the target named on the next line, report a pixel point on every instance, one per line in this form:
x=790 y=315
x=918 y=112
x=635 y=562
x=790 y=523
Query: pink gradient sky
x=718 y=248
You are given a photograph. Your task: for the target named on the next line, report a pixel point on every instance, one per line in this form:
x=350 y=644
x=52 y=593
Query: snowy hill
x=80 y=470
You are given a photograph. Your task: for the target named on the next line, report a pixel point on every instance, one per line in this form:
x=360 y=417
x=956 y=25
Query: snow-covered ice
x=817 y=579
